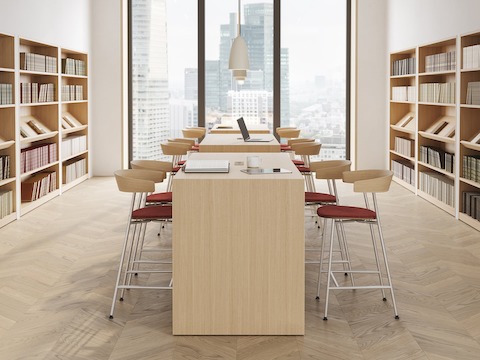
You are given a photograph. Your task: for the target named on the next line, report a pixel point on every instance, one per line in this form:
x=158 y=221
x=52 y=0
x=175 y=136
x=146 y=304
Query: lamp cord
x=238 y=26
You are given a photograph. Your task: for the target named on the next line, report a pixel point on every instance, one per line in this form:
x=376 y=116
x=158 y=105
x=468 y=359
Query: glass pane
x=313 y=72
x=225 y=98
x=164 y=74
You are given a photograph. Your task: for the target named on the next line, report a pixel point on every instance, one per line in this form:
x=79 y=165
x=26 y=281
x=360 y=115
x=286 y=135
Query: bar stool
x=176 y=151
x=139 y=183
x=290 y=142
x=287 y=133
x=155 y=165
x=195 y=133
x=305 y=150
x=367 y=182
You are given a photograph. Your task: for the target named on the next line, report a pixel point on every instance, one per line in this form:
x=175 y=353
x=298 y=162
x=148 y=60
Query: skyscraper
x=150 y=105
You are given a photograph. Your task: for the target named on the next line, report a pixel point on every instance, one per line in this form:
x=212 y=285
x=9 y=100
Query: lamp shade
x=239 y=55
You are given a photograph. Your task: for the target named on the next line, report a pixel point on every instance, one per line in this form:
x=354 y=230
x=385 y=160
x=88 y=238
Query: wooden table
x=238 y=250
x=234 y=143
x=234 y=129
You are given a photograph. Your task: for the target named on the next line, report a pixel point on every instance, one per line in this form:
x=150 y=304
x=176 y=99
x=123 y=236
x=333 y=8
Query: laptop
x=246 y=135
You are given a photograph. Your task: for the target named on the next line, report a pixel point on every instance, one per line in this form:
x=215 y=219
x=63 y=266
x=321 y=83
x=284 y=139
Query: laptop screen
x=243 y=128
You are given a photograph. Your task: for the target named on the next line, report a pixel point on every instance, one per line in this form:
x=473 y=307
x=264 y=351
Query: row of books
x=473 y=93
x=73 y=67
x=38 y=62
x=72 y=92
x=437 y=157
x=74 y=170
x=34 y=157
x=4 y=167
x=471 y=204
x=404 y=171
x=404 y=67
x=471 y=57
x=471 y=168
x=6 y=94
x=403 y=93
x=35 y=93
x=404 y=146
x=440 y=62
x=73 y=145
x=38 y=185
x=438 y=93
x=6 y=203
x=438 y=186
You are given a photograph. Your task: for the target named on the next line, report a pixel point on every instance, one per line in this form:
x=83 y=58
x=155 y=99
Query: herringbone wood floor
x=58 y=263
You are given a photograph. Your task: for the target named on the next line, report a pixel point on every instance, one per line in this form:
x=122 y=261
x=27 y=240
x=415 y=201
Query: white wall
x=64 y=23
x=371 y=104
x=106 y=86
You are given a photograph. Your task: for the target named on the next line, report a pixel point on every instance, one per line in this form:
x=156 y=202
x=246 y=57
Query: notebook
x=206 y=166
x=246 y=135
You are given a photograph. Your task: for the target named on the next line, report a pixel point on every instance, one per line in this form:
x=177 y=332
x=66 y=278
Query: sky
x=314 y=31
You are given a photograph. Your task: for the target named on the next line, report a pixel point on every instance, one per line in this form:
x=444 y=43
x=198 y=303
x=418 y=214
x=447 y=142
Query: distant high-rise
x=191 y=84
x=150 y=105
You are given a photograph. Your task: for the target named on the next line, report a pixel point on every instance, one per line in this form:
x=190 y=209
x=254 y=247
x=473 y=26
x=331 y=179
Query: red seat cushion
x=298 y=162
x=195 y=148
x=160 y=197
x=175 y=169
x=315 y=197
x=153 y=212
x=303 y=169
x=345 y=212
x=181 y=162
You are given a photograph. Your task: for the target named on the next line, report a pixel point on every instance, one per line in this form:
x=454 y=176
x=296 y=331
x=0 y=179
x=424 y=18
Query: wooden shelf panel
x=24 y=175
x=402 y=76
x=402 y=129
x=470 y=106
x=404 y=184
x=7 y=181
x=71 y=184
x=39 y=137
x=26 y=207
x=74 y=76
x=434 y=168
x=6 y=106
x=402 y=102
x=469 y=220
x=76 y=155
x=470 y=182
x=43 y=73
x=75 y=129
x=412 y=159
x=7 y=70
x=40 y=104
x=8 y=219
x=431 y=73
x=470 y=145
x=436 y=104
x=449 y=209
x=469 y=70
x=437 y=137
x=6 y=144
x=75 y=102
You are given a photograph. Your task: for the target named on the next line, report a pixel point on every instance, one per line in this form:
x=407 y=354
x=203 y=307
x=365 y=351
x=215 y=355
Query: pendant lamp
x=238 y=61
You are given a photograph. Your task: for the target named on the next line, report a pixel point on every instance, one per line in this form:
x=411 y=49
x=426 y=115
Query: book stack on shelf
x=6 y=94
x=34 y=157
x=471 y=57
x=73 y=145
x=403 y=93
x=74 y=169
x=440 y=62
x=443 y=93
x=404 y=171
x=73 y=67
x=35 y=93
x=72 y=92
x=471 y=204
x=471 y=167
x=473 y=93
x=437 y=157
x=38 y=62
x=38 y=185
x=4 y=167
x=6 y=203
x=438 y=186
x=404 y=67
x=404 y=146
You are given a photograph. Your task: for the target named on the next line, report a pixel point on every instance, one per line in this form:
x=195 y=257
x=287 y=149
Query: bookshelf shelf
x=437 y=169
x=431 y=136
x=39 y=104
x=469 y=106
x=6 y=106
x=75 y=102
x=403 y=183
x=39 y=169
x=76 y=155
x=403 y=156
x=469 y=220
x=435 y=73
x=74 y=130
x=449 y=209
x=436 y=104
x=7 y=181
x=74 y=76
x=42 y=73
x=26 y=207
x=470 y=145
x=72 y=184
x=8 y=219
x=470 y=182
x=402 y=129
x=7 y=70
x=6 y=144
x=39 y=137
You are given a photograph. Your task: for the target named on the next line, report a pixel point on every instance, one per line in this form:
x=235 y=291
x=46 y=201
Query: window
x=164 y=69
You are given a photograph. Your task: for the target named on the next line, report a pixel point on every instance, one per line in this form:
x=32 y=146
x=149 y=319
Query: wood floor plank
x=58 y=266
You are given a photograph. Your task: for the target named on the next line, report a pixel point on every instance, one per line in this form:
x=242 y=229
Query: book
x=71 y=120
